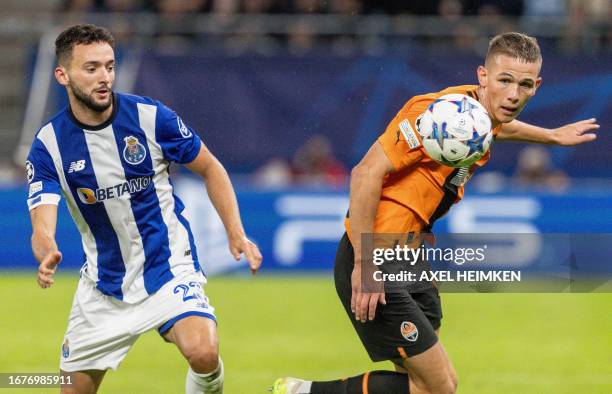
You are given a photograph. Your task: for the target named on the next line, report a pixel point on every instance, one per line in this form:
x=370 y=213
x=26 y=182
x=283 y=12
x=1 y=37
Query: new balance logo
x=76 y=166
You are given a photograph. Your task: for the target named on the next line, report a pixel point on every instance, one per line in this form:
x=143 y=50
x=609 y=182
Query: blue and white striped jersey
x=116 y=183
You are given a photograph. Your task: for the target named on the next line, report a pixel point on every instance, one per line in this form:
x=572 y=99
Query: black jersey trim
x=451 y=192
x=473 y=94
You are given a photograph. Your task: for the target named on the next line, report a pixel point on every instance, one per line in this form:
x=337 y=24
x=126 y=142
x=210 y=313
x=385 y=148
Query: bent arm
x=365 y=190
x=220 y=191
x=44 y=221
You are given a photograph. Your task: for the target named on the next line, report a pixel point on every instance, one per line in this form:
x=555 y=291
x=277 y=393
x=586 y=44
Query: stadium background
x=289 y=95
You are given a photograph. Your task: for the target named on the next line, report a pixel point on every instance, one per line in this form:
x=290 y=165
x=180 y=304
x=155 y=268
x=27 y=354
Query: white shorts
x=101 y=329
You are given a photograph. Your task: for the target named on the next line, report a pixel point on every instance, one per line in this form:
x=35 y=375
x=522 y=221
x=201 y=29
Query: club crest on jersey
x=65 y=349
x=409 y=331
x=134 y=152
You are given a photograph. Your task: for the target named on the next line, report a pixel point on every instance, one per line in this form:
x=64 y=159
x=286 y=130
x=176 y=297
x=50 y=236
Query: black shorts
x=405 y=326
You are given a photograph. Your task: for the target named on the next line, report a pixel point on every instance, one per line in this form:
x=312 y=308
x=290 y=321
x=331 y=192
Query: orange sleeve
x=401 y=141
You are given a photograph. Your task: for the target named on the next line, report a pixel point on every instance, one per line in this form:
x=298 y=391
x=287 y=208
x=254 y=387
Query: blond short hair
x=516 y=45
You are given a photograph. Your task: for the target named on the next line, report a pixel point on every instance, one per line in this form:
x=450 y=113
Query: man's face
x=509 y=83
x=90 y=75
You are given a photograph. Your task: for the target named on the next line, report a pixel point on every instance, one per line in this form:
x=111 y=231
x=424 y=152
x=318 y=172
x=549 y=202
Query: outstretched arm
x=567 y=135
x=44 y=220
x=223 y=198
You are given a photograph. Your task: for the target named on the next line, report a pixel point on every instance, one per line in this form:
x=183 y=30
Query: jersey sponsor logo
x=409 y=134
x=134 y=152
x=66 y=348
x=409 y=331
x=182 y=128
x=89 y=196
x=29 y=170
x=35 y=188
x=76 y=166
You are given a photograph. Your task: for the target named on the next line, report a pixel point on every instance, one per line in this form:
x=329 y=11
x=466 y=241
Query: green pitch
x=276 y=326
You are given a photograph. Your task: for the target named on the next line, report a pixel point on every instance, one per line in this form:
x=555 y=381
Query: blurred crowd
x=557 y=8
x=585 y=23
x=313 y=164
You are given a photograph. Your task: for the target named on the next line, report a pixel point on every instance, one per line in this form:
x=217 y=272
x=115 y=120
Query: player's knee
x=454 y=380
x=446 y=385
x=203 y=359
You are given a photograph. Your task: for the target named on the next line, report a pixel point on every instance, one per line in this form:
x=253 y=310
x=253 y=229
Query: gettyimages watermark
x=523 y=263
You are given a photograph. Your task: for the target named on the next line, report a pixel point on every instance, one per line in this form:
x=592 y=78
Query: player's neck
x=88 y=116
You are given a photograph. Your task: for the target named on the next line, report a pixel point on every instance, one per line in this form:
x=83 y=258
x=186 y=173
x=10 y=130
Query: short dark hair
x=80 y=34
x=516 y=45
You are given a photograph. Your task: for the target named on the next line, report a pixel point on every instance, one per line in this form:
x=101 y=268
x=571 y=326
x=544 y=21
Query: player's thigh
x=194 y=334
x=82 y=382
x=428 y=300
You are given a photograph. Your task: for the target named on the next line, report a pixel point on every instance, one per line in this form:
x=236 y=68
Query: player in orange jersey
x=397 y=188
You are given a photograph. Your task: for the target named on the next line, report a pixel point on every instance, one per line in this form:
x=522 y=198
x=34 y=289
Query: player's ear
x=538 y=82
x=61 y=75
x=481 y=72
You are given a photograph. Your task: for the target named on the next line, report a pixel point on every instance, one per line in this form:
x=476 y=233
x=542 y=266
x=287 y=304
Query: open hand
x=251 y=251
x=47 y=268
x=576 y=133
x=363 y=305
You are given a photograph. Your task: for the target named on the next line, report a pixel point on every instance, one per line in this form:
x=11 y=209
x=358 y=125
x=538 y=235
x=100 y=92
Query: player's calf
x=205 y=383
x=442 y=386
x=374 y=382
x=196 y=339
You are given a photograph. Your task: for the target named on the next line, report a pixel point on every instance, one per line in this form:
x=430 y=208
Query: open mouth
x=509 y=110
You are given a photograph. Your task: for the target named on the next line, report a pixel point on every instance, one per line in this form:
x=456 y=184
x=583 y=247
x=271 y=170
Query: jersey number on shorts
x=186 y=289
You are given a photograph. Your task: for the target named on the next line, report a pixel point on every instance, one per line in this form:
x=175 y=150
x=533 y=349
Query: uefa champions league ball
x=456 y=130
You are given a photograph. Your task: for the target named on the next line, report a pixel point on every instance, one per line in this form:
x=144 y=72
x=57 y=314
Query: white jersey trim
x=43 y=199
x=106 y=163
x=178 y=237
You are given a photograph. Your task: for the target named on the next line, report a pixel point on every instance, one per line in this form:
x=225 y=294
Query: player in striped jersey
x=109 y=154
x=398 y=189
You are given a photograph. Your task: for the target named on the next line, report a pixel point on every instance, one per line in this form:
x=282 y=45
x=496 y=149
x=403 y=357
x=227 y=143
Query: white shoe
x=289 y=386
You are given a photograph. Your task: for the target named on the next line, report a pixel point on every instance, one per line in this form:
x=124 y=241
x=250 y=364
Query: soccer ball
x=456 y=130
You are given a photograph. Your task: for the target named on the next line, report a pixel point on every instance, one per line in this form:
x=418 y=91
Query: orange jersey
x=420 y=190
